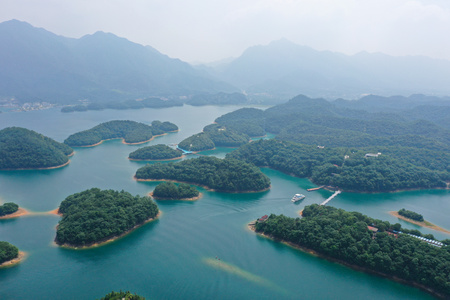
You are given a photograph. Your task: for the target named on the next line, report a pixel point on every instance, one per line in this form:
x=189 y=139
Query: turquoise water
x=175 y=256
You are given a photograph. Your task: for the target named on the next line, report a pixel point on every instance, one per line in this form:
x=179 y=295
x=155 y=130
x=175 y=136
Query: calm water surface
x=175 y=256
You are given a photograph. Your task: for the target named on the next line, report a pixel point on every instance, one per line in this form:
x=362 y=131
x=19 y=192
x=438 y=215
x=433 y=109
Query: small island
x=130 y=132
x=417 y=219
x=95 y=217
x=8 y=208
x=223 y=175
x=213 y=136
x=9 y=254
x=365 y=244
x=122 y=296
x=171 y=191
x=23 y=149
x=156 y=152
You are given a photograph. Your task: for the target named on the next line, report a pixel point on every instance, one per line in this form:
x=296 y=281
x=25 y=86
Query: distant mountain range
x=37 y=65
x=285 y=69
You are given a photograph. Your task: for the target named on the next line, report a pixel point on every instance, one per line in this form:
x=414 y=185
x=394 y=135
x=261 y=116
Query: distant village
x=16 y=106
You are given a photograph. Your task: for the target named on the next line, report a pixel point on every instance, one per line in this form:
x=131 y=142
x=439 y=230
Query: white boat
x=298 y=197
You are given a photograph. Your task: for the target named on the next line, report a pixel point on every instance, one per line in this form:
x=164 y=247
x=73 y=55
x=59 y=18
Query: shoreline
x=203 y=186
x=164 y=159
x=47 y=168
x=123 y=141
x=200 y=195
x=421 y=224
x=251 y=227
x=109 y=240
x=10 y=263
x=19 y=213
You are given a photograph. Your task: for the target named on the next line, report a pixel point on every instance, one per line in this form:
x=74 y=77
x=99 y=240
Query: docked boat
x=298 y=197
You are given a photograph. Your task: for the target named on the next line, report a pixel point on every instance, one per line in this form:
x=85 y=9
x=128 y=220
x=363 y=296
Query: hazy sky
x=209 y=30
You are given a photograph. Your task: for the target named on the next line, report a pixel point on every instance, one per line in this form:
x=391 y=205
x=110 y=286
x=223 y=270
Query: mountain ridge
x=38 y=64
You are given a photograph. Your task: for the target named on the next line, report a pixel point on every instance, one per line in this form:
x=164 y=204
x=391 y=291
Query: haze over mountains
x=286 y=69
x=37 y=65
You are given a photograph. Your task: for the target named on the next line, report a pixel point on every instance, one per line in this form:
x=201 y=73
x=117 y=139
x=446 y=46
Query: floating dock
x=330 y=198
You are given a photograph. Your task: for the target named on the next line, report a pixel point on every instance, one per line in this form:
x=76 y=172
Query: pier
x=315 y=189
x=330 y=198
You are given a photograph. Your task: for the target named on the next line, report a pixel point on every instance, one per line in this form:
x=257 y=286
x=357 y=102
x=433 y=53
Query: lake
x=177 y=256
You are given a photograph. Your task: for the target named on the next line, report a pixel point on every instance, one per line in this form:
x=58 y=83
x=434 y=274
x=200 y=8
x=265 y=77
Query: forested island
x=214 y=135
x=154 y=102
x=151 y=102
x=371 y=245
x=417 y=219
x=122 y=296
x=21 y=148
x=224 y=175
x=380 y=169
x=95 y=216
x=410 y=215
x=156 y=152
x=171 y=191
x=8 y=208
x=130 y=131
x=8 y=254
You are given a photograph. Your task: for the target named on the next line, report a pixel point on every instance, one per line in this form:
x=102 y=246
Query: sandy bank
x=203 y=186
x=251 y=226
x=178 y=199
x=112 y=239
x=15 y=261
x=19 y=213
x=422 y=224
x=54 y=212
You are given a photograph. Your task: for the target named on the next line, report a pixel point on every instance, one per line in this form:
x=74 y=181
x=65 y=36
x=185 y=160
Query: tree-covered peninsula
x=224 y=175
x=95 y=216
x=352 y=169
x=130 y=131
x=155 y=152
x=22 y=148
x=197 y=142
x=373 y=245
x=8 y=208
x=8 y=252
x=214 y=135
x=171 y=191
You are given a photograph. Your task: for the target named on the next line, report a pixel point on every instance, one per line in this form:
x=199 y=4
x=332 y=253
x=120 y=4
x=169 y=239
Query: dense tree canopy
x=410 y=215
x=226 y=175
x=169 y=190
x=345 y=236
x=156 y=152
x=319 y=122
x=349 y=168
x=197 y=142
x=214 y=135
x=7 y=252
x=96 y=215
x=21 y=148
x=222 y=136
x=130 y=131
x=151 y=102
x=122 y=296
x=8 y=208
